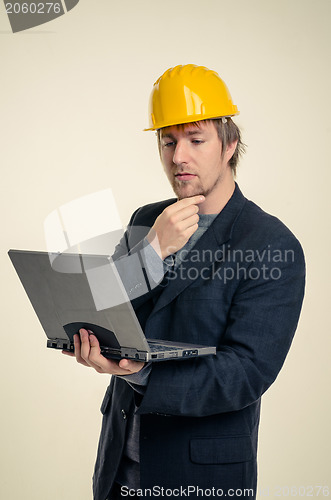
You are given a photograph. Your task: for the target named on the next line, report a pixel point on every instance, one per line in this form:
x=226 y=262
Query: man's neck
x=218 y=198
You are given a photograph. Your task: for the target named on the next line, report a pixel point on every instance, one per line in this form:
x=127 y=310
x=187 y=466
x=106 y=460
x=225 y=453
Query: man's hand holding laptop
x=87 y=353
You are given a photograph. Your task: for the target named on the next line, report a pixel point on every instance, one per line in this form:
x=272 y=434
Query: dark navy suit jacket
x=241 y=289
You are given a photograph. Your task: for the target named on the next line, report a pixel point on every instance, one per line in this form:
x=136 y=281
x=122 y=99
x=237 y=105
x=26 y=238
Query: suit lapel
x=207 y=250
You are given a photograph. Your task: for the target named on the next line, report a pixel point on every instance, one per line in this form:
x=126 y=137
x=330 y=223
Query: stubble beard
x=181 y=194
x=197 y=190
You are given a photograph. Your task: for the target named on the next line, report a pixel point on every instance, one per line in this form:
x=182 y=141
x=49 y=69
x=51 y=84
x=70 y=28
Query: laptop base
x=159 y=352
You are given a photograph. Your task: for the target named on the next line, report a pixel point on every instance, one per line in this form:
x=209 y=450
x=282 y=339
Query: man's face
x=192 y=159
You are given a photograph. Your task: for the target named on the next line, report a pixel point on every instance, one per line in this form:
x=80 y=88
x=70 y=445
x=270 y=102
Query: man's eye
x=197 y=141
x=168 y=144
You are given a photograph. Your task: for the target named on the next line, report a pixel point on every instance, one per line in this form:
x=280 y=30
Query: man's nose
x=181 y=153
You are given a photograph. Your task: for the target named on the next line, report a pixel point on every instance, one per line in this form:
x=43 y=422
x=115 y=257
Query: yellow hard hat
x=187 y=94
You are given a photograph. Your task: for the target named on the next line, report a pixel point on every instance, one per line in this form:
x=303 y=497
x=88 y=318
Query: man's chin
x=187 y=193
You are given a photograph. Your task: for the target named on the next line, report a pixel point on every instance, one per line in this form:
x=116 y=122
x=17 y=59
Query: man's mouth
x=185 y=176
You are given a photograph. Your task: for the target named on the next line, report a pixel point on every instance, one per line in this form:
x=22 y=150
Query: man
x=233 y=278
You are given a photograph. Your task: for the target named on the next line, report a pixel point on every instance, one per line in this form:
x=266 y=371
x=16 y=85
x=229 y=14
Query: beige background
x=73 y=105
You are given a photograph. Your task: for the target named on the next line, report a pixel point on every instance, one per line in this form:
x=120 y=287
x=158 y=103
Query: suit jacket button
x=123 y=414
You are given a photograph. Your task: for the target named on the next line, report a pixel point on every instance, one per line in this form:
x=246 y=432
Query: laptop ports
x=191 y=352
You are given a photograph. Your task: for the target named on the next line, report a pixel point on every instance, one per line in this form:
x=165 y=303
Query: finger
x=77 y=345
x=84 y=345
x=78 y=353
x=188 y=222
x=183 y=214
x=187 y=233
x=94 y=349
x=95 y=358
x=185 y=202
x=184 y=208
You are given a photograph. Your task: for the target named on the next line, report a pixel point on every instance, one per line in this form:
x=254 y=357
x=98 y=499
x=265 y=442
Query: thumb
x=125 y=364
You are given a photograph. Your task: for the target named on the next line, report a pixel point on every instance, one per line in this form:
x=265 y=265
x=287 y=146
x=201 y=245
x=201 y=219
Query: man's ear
x=230 y=149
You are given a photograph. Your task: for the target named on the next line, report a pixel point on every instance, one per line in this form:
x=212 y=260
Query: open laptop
x=67 y=292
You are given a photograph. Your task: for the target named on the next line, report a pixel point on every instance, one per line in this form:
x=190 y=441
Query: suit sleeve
x=140 y=268
x=262 y=320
